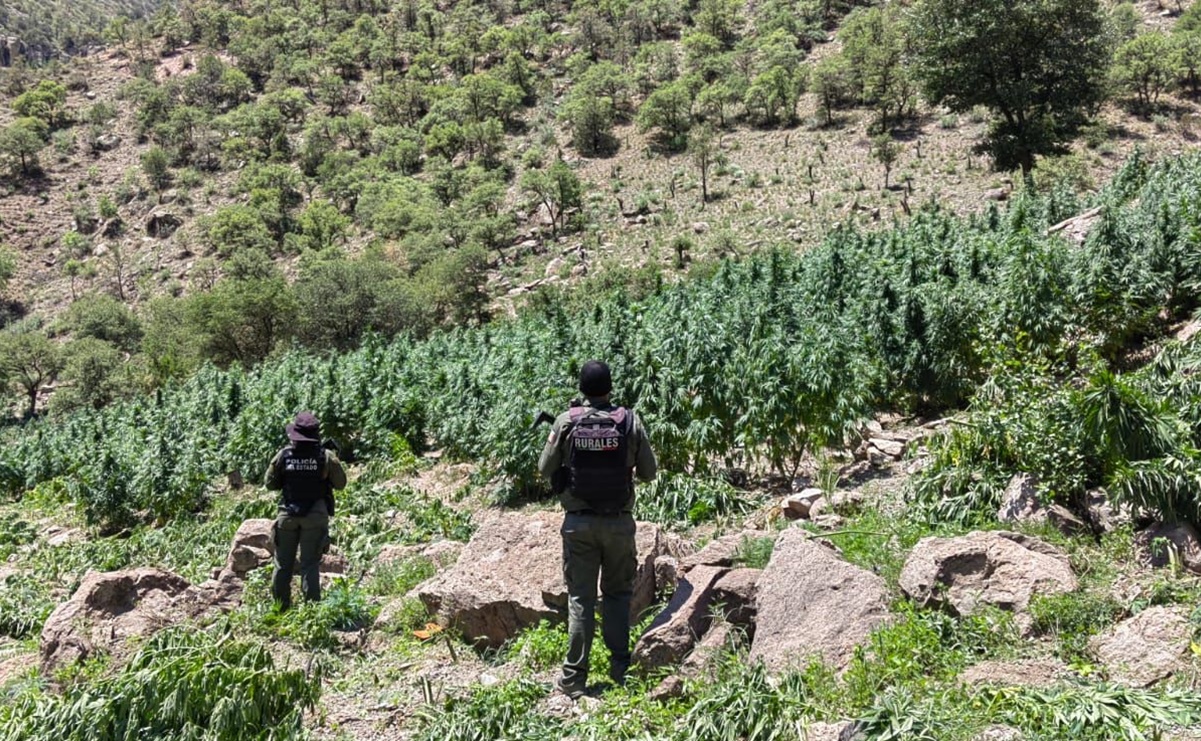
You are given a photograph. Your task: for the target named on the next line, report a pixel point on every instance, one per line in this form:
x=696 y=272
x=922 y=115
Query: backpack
x=306 y=471
x=598 y=444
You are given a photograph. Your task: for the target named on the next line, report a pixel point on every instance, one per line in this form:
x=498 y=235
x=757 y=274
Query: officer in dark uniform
x=304 y=472
x=596 y=448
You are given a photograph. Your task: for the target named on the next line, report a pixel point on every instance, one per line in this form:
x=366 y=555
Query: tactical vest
x=598 y=457
x=304 y=473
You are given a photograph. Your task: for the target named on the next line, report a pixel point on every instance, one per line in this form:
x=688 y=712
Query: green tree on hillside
x=831 y=82
x=92 y=372
x=30 y=361
x=1038 y=65
x=705 y=147
x=156 y=166
x=46 y=102
x=875 y=46
x=669 y=111
x=558 y=189
x=20 y=143
x=1146 y=66
x=590 y=119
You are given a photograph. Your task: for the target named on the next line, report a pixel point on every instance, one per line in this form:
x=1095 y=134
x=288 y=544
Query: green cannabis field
x=758 y=361
x=1054 y=358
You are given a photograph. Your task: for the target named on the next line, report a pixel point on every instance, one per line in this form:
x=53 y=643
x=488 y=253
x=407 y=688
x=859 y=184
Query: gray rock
x=722 y=551
x=717 y=642
x=1147 y=648
x=1028 y=673
x=1020 y=502
x=510 y=577
x=998 y=568
x=999 y=733
x=443 y=553
x=736 y=592
x=846 y=501
x=891 y=448
x=1065 y=521
x=811 y=604
x=1159 y=544
x=667 y=571
x=1103 y=515
x=109 y=608
x=685 y=619
x=107 y=142
x=670 y=688
x=797 y=506
x=162 y=224
x=818 y=731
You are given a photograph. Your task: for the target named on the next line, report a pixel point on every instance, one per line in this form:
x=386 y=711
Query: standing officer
x=304 y=471
x=594 y=450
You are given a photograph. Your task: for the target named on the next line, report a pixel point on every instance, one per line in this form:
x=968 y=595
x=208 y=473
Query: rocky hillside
x=191 y=165
x=929 y=433
x=38 y=31
x=826 y=614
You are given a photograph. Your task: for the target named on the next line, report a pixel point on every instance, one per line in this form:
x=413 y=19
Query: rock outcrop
x=253 y=547
x=998 y=568
x=1164 y=542
x=813 y=604
x=510 y=577
x=1028 y=673
x=1022 y=503
x=109 y=608
x=685 y=620
x=1147 y=648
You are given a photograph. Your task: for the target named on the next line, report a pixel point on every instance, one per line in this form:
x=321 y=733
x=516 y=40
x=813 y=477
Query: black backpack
x=598 y=444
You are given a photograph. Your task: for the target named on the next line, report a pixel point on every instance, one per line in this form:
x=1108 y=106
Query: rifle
x=561 y=479
x=332 y=446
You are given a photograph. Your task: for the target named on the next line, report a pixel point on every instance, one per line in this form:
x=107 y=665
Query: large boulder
x=162 y=224
x=1021 y=503
x=253 y=547
x=442 y=553
x=997 y=568
x=736 y=593
x=111 y=607
x=724 y=550
x=1147 y=648
x=687 y=617
x=811 y=603
x=510 y=577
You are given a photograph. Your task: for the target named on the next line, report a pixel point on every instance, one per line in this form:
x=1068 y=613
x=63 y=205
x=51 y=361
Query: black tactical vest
x=304 y=472
x=598 y=457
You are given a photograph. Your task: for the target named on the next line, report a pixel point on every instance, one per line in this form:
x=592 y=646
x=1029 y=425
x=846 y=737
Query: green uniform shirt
x=641 y=457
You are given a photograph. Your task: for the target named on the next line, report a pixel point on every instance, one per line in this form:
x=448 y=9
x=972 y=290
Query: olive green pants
x=309 y=534
x=596 y=545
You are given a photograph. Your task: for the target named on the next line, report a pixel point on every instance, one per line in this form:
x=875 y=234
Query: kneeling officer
x=305 y=472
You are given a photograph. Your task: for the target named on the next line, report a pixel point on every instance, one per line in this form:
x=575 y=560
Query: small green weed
x=539 y=648
x=924 y=646
x=183 y=683
x=343 y=607
x=1072 y=619
x=399 y=577
x=504 y=711
x=881 y=543
x=754 y=553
